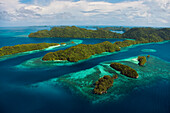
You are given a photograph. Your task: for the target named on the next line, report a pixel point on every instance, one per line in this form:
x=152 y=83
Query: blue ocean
x=27 y=86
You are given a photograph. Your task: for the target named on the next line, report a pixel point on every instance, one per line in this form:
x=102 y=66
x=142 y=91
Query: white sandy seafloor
x=82 y=82
x=46 y=49
x=148 y=50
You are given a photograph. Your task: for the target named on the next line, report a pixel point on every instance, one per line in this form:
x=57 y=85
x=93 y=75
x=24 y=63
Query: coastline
x=123 y=49
x=35 y=51
x=39 y=63
x=30 y=85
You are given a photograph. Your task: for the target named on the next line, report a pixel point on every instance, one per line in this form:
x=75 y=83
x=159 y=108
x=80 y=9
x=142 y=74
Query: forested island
x=124 y=29
x=103 y=84
x=8 y=50
x=85 y=51
x=81 y=51
x=142 y=60
x=125 y=70
x=144 y=35
x=74 y=32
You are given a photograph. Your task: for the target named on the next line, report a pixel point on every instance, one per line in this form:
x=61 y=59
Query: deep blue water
x=16 y=97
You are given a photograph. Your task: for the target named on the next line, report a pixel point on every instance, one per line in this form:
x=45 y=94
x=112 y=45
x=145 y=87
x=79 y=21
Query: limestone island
x=83 y=82
x=144 y=35
x=74 y=32
x=84 y=51
x=142 y=60
x=9 y=50
x=125 y=70
x=103 y=84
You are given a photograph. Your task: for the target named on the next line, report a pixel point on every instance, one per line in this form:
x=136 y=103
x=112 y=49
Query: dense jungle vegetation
x=81 y=51
x=125 y=70
x=141 y=35
x=142 y=60
x=85 y=51
x=8 y=50
x=103 y=84
x=74 y=32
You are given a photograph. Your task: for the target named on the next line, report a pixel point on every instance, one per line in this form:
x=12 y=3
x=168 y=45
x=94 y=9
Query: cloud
x=141 y=12
x=4 y=15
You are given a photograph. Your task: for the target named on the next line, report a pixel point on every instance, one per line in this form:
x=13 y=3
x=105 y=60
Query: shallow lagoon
x=148 y=50
x=82 y=82
x=18 y=94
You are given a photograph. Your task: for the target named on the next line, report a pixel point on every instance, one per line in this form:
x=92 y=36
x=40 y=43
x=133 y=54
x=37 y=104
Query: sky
x=155 y=13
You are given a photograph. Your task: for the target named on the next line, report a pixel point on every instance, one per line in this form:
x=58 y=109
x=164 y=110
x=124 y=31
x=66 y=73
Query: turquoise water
x=148 y=50
x=121 y=32
x=81 y=82
x=30 y=86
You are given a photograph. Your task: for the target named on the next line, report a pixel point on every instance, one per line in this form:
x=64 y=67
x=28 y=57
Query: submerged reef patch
x=148 y=50
x=82 y=82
